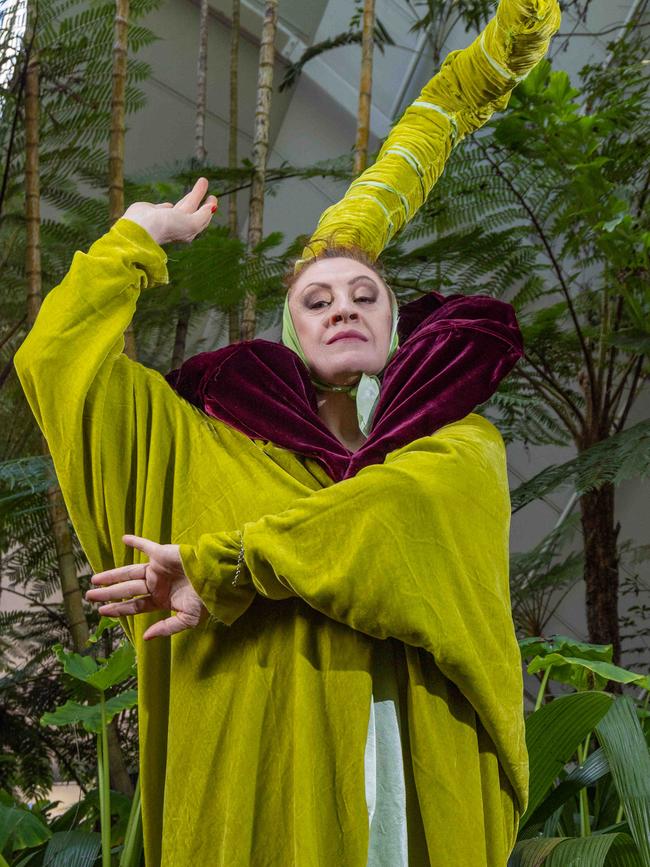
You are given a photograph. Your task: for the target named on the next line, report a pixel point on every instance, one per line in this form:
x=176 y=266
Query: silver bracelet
x=240 y=560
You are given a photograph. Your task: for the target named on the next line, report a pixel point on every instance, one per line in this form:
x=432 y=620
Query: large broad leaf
x=627 y=752
x=535 y=646
x=598 y=850
x=585 y=673
x=625 y=455
x=74 y=848
x=90 y=716
x=21 y=829
x=118 y=667
x=594 y=769
x=553 y=734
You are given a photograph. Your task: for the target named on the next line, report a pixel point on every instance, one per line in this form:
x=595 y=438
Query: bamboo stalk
x=365 y=88
x=200 y=154
x=201 y=85
x=58 y=516
x=233 y=121
x=260 y=150
x=116 y=140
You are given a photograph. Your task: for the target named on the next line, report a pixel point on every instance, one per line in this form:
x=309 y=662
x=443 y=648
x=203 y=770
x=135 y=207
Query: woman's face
x=334 y=296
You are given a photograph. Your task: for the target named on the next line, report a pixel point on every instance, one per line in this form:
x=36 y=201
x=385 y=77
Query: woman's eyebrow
x=350 y=282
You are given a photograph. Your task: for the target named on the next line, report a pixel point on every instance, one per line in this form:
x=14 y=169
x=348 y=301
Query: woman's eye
x=316 y=304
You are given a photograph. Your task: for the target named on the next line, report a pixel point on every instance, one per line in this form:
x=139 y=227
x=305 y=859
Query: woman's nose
x=342 y=310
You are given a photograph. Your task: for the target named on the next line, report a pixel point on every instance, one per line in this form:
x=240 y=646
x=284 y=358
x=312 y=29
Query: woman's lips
x=346 y=336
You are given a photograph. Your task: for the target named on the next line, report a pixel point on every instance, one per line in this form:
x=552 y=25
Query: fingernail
x=213 y=208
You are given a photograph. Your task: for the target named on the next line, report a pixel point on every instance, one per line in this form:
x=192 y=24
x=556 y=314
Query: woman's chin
x=352 y=363
x=339 y=376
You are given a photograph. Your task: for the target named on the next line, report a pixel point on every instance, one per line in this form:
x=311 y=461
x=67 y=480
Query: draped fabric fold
x=453 y=353
x=414 y=548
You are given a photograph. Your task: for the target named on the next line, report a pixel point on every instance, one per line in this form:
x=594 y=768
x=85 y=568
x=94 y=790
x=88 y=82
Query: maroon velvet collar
x=454 y=351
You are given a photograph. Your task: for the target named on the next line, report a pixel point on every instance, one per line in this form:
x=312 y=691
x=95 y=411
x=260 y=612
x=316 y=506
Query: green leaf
x=625 y=455
x=73 y=848
x=553 y=734
x=20 y=829
x=598 y=850
x=271 y=240
x=610 y=225
x=90 y=716
x=104 y=624
x=632 y=340
x=532 y=853
x=535 y=646
x=585 y=673
x=624 y=743
x=79 y=666
x=118 y=667
x=594 y=768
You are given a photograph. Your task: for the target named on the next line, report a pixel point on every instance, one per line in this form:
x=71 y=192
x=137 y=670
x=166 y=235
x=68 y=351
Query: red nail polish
x=213 y=208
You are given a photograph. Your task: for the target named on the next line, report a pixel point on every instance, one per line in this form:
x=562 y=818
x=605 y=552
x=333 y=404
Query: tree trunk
x=70 y=588
x=116 y=142
x=200 y=153
x=600 y=534
x=63 y=542
x=260 y=150
x=180 y=337
x=201 y=85
x=32 y=176
x=233 y=314
x=365 y=88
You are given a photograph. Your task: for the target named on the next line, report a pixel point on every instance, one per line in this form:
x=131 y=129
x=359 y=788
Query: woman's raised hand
x=159 y=585
x=180 y=222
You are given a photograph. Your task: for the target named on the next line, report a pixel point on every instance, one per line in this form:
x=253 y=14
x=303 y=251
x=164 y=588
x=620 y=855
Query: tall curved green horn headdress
x=471 y=85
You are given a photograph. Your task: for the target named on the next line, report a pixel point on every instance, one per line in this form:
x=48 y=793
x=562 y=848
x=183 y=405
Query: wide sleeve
x=415 y=549
x=470 y=86
x=97 y=408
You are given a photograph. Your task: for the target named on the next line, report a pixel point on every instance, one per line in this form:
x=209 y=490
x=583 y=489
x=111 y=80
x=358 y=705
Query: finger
x=132 y=606
x=191 y=201
x=170 y=626
x=147 y=546
x=117 y=591
x=122 y=573
x=164 y=205
x=201 y=219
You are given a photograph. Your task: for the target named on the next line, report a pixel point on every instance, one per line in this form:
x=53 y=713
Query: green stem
x=130 y=856
x=585 y=829
x=542 y=688
x=104 y=786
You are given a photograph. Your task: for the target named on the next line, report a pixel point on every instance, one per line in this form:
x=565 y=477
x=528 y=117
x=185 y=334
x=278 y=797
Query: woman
x=319 y=569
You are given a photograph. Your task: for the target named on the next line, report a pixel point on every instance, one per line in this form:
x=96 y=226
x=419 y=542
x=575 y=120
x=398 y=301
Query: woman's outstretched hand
x=180 y=222
x=158 y=585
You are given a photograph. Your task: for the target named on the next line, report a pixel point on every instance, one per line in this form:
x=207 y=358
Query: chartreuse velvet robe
x=252 y=730
x=252 y=727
